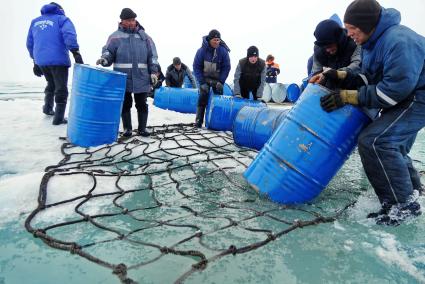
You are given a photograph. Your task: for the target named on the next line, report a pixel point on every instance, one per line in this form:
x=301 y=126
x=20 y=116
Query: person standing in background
x=250 y=75
x=50 y=38
x=133 y=52
x=273 y=69
x=174 y=77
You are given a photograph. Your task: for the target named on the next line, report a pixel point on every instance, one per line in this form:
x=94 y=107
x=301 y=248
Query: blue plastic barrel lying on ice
x=222 y=110
x=253 y=126
x=97 y=96
x=182 y=100
x=292 y=92
x=306 y=150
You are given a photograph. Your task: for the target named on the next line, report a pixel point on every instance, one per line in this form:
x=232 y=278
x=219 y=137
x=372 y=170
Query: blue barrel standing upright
x=253 y=126
x=182 y=100
x=97 y=97
x=222 y=110
x=292 y=92
x=306 y=150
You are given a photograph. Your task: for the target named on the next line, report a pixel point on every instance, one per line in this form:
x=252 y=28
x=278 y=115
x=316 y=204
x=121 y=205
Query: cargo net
x=179 y=193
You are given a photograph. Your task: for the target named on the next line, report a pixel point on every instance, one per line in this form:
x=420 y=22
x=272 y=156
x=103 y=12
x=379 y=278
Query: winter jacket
x=211 y=63
x=272 y=71
x=393 y=63
x=51 y=36
x=132 y=52
x=347 y=57
x=175 y=78
x=250 y=76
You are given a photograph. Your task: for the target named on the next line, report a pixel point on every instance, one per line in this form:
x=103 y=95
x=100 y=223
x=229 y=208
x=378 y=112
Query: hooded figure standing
x=132 y=52
x=50 y=38
x=273 y=69
x=333 y=49
x=211 y=67
x=250 y=75
x=393 y=75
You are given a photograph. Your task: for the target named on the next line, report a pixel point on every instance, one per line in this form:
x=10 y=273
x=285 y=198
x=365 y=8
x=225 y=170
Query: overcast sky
x=282 y=28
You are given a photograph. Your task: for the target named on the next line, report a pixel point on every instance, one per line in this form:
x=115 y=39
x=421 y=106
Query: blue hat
x=327 y=32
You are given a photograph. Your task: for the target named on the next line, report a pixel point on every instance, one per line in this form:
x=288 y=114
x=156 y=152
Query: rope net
x=179 y=192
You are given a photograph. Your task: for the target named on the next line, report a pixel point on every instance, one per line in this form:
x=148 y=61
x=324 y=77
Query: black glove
x=77 y=56
x=219 y=88
x=37 y=70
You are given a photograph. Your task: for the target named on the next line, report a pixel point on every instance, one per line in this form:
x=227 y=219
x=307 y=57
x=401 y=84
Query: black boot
x=126 y=124
x=58 y=117
x=143 y=120
x=199 y=120
x=48 y=104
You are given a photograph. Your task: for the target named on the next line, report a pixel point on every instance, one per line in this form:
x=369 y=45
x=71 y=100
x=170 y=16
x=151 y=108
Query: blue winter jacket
x=51 y=36
x=211 y=63
x=132 y=52
x=393 y=62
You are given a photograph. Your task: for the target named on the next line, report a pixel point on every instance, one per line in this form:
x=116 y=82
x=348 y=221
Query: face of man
x=356 y=34
x=129 y=23
x=253 y=59
x=215 y=42
x=331 y=48
x=178 y=67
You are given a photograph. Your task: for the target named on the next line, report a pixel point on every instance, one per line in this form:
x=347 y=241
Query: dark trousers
x=140 y=99
x=204 y=92
x=384 y=146
x=57 y=84
x=245 y=93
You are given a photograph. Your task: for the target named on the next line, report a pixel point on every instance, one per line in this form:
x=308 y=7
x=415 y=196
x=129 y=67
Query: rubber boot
x=126 y=124
x=58 y=117
x=143 y=120
x=199 y=120
x=48 y=104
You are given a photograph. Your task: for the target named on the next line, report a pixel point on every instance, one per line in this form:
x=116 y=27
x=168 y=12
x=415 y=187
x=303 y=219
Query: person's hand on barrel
x=102 y=61
x=338 y=99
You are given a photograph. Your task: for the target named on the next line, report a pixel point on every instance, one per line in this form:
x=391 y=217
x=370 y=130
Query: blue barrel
x=227 y=90
x=222 y=110
x=187 y=83
x=97 y=96
x=306 y=150
x=292 y=92
x=182 y=100
x=253 y=126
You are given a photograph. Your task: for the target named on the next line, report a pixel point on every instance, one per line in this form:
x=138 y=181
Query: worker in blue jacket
x=50 y=38
x=211 y=67
x=393 y=79
x=132 y=51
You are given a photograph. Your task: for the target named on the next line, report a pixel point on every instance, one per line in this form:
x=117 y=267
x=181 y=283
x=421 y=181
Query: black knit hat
x=127 y=13
x=57 y=5
x=327 y=32
x=363 y=14
x=252 y=51
x=213 y=34
x=177 y=61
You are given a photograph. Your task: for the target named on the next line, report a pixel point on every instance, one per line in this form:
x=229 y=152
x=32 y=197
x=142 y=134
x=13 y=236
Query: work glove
x=37 y=70
x=102 y=61
x=77 y=56
x=333 y=74
x=154 y=79
x=219 y=88
x=335 y=101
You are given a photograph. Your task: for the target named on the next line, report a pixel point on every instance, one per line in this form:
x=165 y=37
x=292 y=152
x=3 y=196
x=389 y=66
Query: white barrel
x=266 y=96
x=278 y=92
